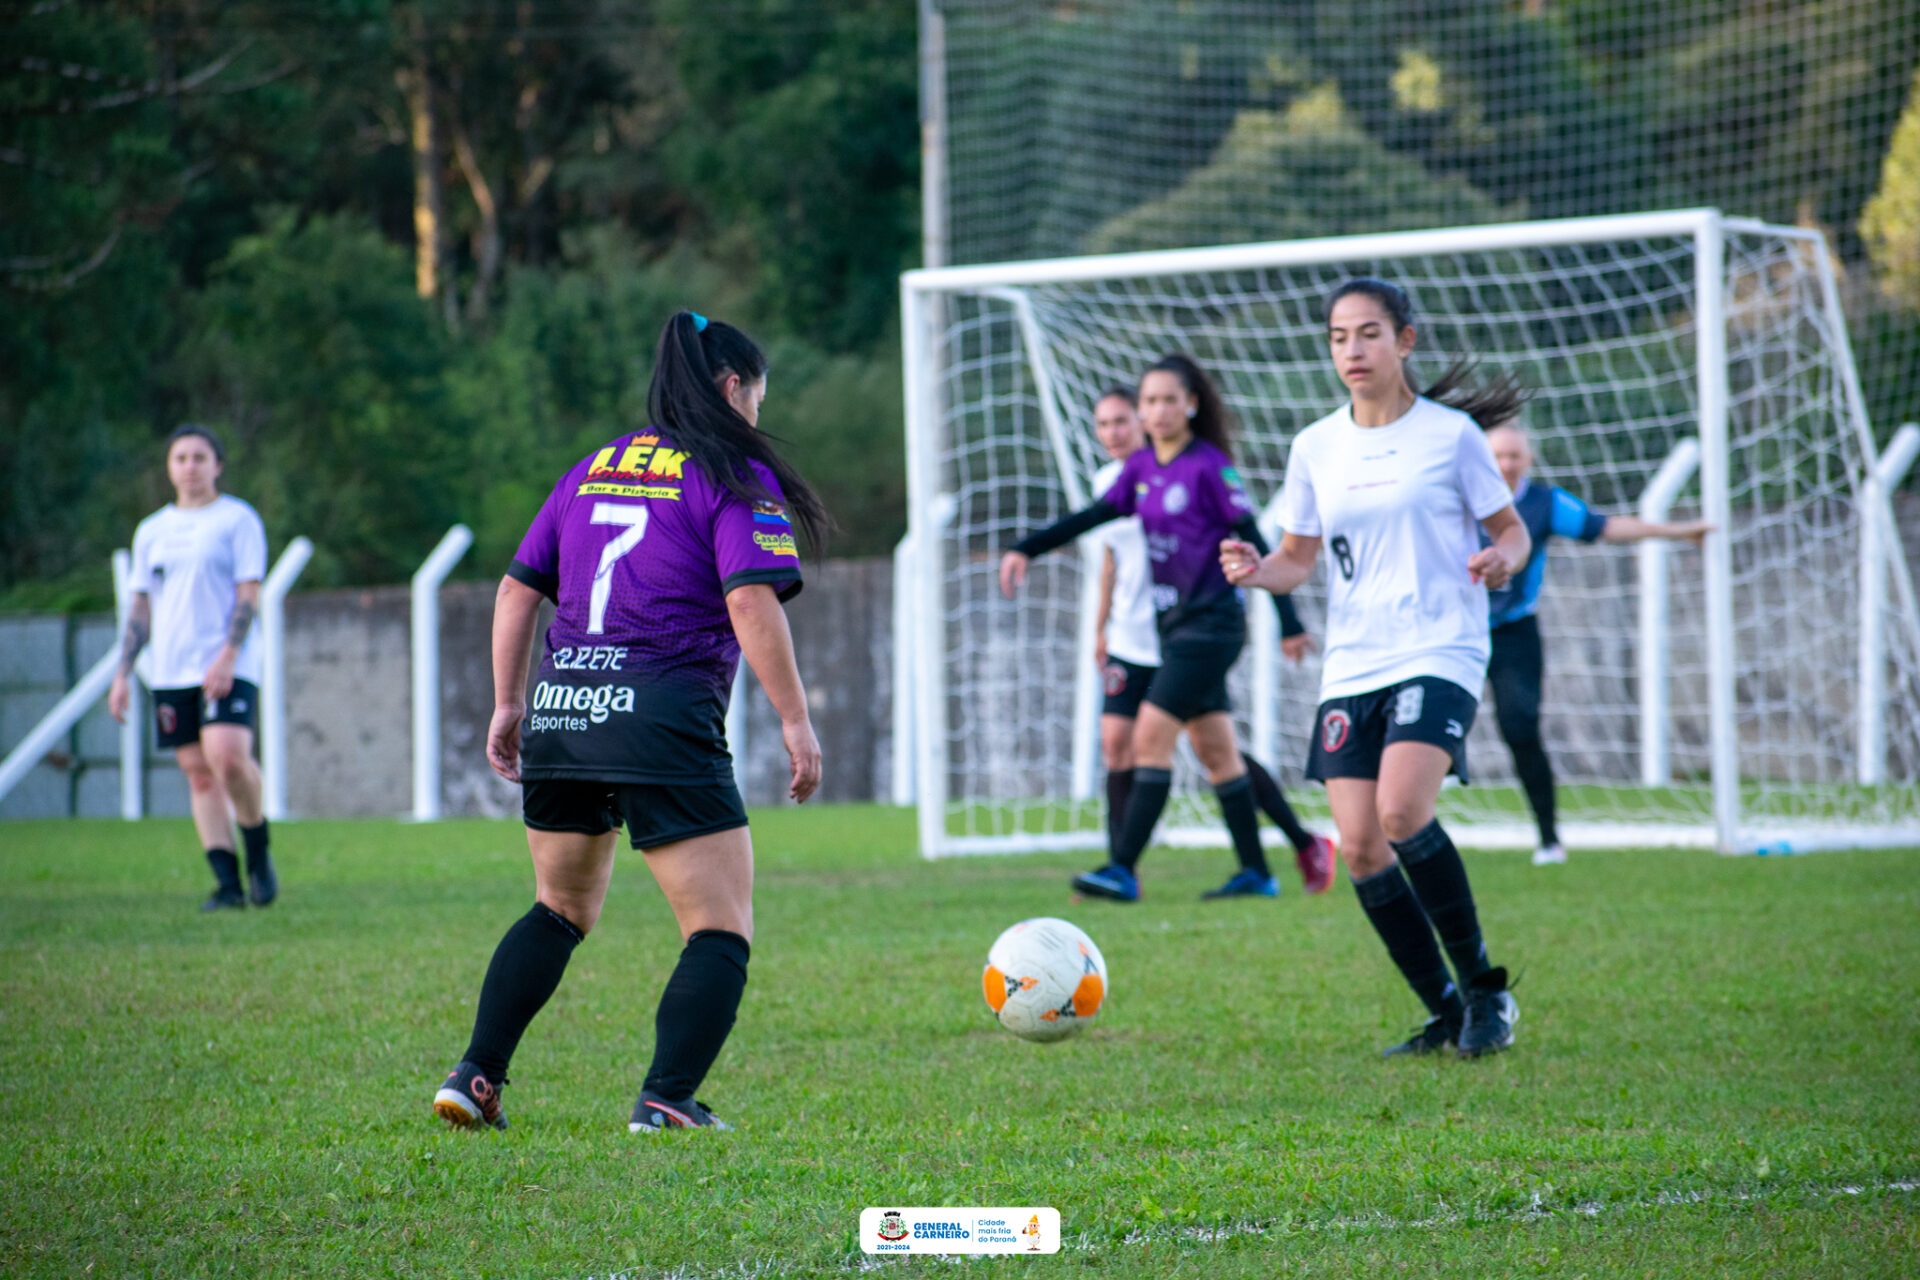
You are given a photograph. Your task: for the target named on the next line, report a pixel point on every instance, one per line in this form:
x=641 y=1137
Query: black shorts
x=1350 y=733
x=1126 y=684
x=654 y=813
x=179 y=713
x=1192 y=678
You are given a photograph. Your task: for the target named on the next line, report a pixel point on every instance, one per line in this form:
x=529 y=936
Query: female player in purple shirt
x=1188 y=496
x=668 y=554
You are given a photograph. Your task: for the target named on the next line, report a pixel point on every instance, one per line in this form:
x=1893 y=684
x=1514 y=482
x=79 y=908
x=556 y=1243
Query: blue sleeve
x=1572 y=518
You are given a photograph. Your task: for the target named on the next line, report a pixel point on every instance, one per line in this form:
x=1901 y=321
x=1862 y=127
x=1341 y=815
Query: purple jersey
x=1186 y=507
x=638 y=549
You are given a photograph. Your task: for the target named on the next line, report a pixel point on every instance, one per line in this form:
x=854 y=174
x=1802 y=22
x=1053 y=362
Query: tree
x=1890 y=225
x=1308 y=172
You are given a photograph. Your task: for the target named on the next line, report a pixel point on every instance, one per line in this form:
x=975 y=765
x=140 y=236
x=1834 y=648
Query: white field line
x=1538 y=1210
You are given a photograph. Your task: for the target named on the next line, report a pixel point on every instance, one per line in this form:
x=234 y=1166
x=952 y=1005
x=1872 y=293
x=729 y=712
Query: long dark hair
x=1488 y=402
x=1212 y=421
x=684 y=400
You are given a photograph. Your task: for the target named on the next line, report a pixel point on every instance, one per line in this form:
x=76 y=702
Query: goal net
x=1761 y=693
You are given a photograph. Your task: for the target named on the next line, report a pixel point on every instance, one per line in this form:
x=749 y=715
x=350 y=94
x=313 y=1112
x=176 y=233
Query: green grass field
x=1715 y=1074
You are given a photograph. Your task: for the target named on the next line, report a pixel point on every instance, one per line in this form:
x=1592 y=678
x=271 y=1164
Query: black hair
x=1211 y=420
x=186 y=429
x=1488 y=402
x=1128 y=394
x=684 y=400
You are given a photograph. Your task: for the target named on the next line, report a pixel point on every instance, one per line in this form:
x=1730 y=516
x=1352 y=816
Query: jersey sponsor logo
x=645 y=468
x=1333 y=730
x=1175 y=500
x=594 y=703
x=1164 y=597
x=666 y=492
x=1408 y=704
x=770 y=513
x=780 y=544
x=589 y=657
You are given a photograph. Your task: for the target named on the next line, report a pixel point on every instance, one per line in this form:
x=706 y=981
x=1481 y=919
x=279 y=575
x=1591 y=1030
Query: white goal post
x=1708 y=698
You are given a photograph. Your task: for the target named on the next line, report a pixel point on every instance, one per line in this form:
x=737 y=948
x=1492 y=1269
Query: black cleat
x=224 y=898
x=1436 y=1036
x=652 y=1113
x=1491 y=1013
x=468 y=1098
x=263 y=886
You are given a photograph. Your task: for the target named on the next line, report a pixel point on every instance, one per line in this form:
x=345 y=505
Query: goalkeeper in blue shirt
x=1518 y=664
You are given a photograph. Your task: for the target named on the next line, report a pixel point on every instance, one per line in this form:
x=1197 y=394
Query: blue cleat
x=1112 y=881
x=1247 y=883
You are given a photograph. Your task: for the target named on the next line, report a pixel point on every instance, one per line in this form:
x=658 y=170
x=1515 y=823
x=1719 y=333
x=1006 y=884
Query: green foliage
x=1890 y=226
x=249 y=1094
x=1301 y=174
x=311 y=349
x=798 y=139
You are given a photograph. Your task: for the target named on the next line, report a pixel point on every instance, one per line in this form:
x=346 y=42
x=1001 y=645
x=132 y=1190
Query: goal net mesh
x=1606 y=335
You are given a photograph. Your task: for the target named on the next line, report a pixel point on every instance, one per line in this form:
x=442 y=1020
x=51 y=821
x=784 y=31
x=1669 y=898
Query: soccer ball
x=1044 y=979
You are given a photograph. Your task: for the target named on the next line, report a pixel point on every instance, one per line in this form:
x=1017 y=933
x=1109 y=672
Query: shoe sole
x=458 y=1110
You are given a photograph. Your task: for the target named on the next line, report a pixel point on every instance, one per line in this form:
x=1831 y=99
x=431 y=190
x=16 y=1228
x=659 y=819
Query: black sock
x=1119 y=790
x=1243 y=824
x=1402 y=925
x=255 y=840
x=1273 y=803
x=525 y=971
x=696 y=1012
x=1440 y=879
x=1536 y=775
x=1150 y=790
x=226 y=869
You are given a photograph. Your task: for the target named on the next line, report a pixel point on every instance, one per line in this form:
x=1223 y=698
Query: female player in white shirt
x=197 y=567
x=1397 y=486
x=1127 y=649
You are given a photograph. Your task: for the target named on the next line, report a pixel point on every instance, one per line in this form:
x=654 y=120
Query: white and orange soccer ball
x=1044 y=979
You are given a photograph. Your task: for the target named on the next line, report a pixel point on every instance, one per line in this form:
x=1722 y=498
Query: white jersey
x=1398 y=510
x=188 y=561
x=1132 y=633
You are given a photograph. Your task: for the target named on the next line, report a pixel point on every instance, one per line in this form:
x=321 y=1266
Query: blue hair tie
x=699 y=322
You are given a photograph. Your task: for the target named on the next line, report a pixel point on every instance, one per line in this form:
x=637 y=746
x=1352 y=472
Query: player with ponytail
x=1398 y=486
x=1187 y=495
x=667 y=554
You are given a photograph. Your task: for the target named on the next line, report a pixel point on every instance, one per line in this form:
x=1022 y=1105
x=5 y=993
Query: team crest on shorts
x=1115 y=676
x=169 y=720
x=1333 y=731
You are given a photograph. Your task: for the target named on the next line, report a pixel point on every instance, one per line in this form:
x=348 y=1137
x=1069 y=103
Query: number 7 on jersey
x=635 y=518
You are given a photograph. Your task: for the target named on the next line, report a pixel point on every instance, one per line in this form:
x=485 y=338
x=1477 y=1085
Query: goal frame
x=920 y=569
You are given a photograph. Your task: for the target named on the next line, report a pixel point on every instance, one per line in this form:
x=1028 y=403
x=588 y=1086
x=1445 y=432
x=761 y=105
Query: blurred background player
x=1518 y=666
x=1188 y=497
x=1127 y=649
x=197 y=567
x=1397 y=485
x=668 y=554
